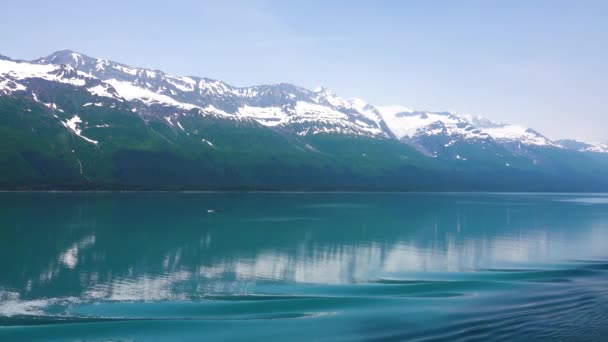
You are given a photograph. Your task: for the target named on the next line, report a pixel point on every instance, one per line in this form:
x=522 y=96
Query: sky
x=542 y=64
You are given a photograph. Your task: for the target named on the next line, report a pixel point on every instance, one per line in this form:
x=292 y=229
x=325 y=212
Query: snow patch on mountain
x=366 y=109
x=103 y=90
x=49 y=105
x=132 y=92
x=127 y=70
x=9 y=86
x=599 y=148
x=315 y=111
x=581 y=146
x=267 y=116
x=326 y=95
x=214 y=86
x=216 y=111
x=49 y=72
x=518 y=133
x=73 y=125
x=405 y=124
x=182 y=83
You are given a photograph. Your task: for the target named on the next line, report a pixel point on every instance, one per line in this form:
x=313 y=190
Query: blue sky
x=543 y=64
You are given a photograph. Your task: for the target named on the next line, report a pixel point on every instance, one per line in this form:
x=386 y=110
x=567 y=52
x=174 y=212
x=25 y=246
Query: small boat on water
x=212 y=211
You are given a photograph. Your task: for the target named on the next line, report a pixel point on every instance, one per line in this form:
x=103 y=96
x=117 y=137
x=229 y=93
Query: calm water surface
x=299 y=266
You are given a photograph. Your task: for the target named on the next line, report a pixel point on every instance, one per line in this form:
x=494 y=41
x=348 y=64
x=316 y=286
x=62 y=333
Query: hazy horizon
x=548 y=72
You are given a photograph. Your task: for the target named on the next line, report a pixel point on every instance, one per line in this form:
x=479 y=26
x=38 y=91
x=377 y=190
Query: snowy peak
x=405 y=124
x=519 y=134
x=64 y=57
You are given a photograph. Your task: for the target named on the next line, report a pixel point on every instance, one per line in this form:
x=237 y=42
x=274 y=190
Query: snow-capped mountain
x=278 y=105
x=72 y=121
x=153 y=93
x=583 y=146
x=406 y=123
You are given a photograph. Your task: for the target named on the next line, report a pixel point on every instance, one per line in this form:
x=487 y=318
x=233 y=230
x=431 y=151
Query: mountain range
x=70 y=121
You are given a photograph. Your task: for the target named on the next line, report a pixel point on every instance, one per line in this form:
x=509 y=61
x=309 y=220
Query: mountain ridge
x=97 y=67
x=113 y=109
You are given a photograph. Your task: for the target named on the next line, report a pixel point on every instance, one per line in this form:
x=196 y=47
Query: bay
x=303 y=266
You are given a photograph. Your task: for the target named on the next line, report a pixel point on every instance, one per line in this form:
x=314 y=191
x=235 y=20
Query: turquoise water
x=303 y=266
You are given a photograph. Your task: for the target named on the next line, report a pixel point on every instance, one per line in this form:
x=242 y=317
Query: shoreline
x=311 y=192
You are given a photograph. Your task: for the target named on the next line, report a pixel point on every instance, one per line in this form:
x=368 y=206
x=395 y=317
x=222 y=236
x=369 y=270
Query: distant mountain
x=72 y=121
x=582 y=146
